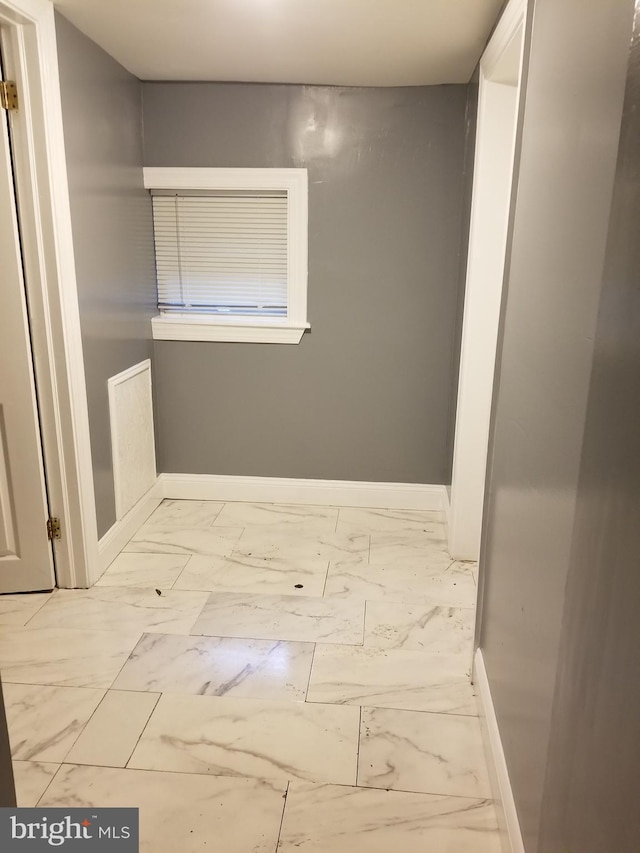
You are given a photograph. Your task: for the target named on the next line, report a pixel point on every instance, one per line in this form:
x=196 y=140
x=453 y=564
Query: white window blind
x=222 y=252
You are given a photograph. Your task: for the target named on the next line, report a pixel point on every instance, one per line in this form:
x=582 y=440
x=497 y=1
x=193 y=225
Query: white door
x=26 y=554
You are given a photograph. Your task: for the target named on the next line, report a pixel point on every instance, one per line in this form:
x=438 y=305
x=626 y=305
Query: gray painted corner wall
x=112 y=230
x=365 y=395
x=591 y=789
x=570 y=128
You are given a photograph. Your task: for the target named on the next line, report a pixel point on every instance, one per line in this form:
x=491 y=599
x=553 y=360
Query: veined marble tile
x=64 y=656
x=255 y=575
x=281 y=617
x=173 y=514
x=122 y=609
x=32 y=779
x=468 y=567
x=278 y=515
x=401 y=583
x=208 y=541
x=253 y=738
x=411 y=548
x=159 y=571
x=215 y=666
x=353 y=519
x=391 y=678
x=430 y=628
x=431 y=753
x=111 y=734
x=322 y=818
x=18 y=609
x=44 y=722
x=293 y=544
x=178 y=811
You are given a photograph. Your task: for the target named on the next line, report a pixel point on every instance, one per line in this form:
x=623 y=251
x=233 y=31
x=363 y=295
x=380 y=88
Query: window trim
x=283 y=330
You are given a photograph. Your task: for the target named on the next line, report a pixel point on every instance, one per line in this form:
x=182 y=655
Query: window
x=231 y=254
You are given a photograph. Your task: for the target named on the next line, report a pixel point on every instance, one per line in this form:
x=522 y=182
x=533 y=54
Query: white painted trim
x=214 y=487
x=296 y=184
x=498 y=105
x=172 y=327
x=121 y=532
x=116 y=429
x=511 y=835
x=39 y=145
x=510 y=21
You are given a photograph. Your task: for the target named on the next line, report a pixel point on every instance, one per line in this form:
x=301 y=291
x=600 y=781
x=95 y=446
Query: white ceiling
x=332 y=42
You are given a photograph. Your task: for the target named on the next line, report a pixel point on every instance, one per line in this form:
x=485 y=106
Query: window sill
x=253 y=330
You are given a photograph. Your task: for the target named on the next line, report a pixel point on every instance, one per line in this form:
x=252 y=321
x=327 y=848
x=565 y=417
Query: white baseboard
x=498 y=771
x=213 y=487
x=119 y=534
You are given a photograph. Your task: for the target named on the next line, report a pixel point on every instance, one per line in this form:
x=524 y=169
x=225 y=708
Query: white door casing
x=29 y=48
x=498 y=99
x=26 y=557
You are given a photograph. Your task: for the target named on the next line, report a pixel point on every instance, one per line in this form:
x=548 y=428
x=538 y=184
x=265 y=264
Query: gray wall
x=567 y=157
x=591 y=792
x=112 y=231
x=365 y=395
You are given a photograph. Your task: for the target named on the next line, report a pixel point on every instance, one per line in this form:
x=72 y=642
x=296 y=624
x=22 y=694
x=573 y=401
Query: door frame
x=497 y=97
x=45 y=218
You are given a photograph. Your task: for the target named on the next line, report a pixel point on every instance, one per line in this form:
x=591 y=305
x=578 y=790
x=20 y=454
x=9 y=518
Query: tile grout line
x=217 y=515
x=50 y=783
x=173 y=585
x=326 y=578
x=91 y=716
x=143 y=730
x=284 y=806
x=33 y=615
x=358 y=750
x=313 y=657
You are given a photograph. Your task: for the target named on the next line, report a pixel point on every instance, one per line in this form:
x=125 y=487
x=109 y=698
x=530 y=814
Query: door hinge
x=8 y=95
x=53 y=529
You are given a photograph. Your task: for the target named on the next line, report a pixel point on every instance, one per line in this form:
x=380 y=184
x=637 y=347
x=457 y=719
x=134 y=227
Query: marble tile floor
x=259 y=677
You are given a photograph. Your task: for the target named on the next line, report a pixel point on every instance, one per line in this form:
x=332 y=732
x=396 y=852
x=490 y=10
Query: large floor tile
x=210 y=542
x=431 y=628
x=179 y=812
x=18 y=609
x=64 y=656
x=111 y=734
x=448 y=586
x=323 y=818
x=122 y=609
x=159 y=571
x=352 y=519
x=411 y=548
x=252 y=738
x=393 y=678
x=278 y=515
x=44 y=722
x=431 y=753
x=255 y=574
x=281 y=617
x=215 y=666
x=173 y=514
x=32 y=779
x=293 y=544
